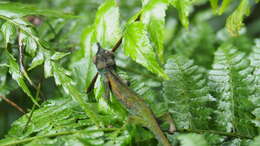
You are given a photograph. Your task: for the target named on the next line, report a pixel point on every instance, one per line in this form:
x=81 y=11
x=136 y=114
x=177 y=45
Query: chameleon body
x=104 y=61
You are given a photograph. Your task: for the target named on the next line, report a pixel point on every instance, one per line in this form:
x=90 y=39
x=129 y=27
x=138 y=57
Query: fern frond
x=197 y=43
x=63 y=119
x=232 y=81
x=187 y=93
x=255 y=62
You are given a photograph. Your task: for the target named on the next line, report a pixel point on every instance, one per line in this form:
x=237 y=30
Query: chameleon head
x=104 y=59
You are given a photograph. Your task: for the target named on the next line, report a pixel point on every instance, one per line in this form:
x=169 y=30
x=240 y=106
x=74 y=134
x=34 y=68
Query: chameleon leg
x=107 y=89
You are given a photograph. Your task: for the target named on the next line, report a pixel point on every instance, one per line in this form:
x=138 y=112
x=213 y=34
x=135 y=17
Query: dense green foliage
x=180 y=56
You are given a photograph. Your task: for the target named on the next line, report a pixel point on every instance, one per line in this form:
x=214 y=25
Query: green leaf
x=31 y=46
x=154 y=17
x=136 y=44
x=183 y=7
x=8 y=30
x=255 y=62
x=37 y=60
x=59 y=55
x=235 y=20
x=192 y=140
x=82 y=63
x=63 y=119
x=187 y=86
x=234 y=86
x=62 y=79
x=14 y=10
x=196 y=43
x=17 y=76
x=256 y=113
x=107 y=24
x=220 y=10
x=48 y=71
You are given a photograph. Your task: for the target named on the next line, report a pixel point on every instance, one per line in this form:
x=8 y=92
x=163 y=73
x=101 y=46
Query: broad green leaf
x=192 y=140
x=107 y=27
x=187 y=84
x=13 y=10
x=82 y=63
x=59 y=55
x=183 y=7
x=153 y=16
x=8 y=29
x=136 y=44
x=31 y=46
x=17 y=76
x=232 y=82
x=37 y=60
x=235 y=20
x=219 y=9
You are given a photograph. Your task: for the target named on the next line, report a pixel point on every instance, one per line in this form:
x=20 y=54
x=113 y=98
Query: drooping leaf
x=187 y=86
x=17 y=76
x=37 y=60
x=8 y=29
x=232 y=81
x=235 y=20
x=192 y=140
x=48 y=70
x=31 y=46
x=153 y=16
x=137 y=45
x=183 y=7
x=61 y=78
x=59 y=55
x=82 y=64
x=13 y=10
x=107 y=28
x=6 y=85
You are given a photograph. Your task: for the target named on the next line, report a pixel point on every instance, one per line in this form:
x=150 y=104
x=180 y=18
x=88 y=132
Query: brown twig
x=21 y=65
x=117 y=44
x=21 y=55
x=12 y=104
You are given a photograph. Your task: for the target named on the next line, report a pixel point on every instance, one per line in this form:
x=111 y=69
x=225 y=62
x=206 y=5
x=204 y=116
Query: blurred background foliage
x=199 y=41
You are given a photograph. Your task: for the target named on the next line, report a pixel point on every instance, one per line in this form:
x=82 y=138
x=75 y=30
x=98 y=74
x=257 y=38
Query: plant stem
x=12 y=104
x=20 y=141
x=230 y=134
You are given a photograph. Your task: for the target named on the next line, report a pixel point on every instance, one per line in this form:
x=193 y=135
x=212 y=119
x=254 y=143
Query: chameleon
x=136 y=106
